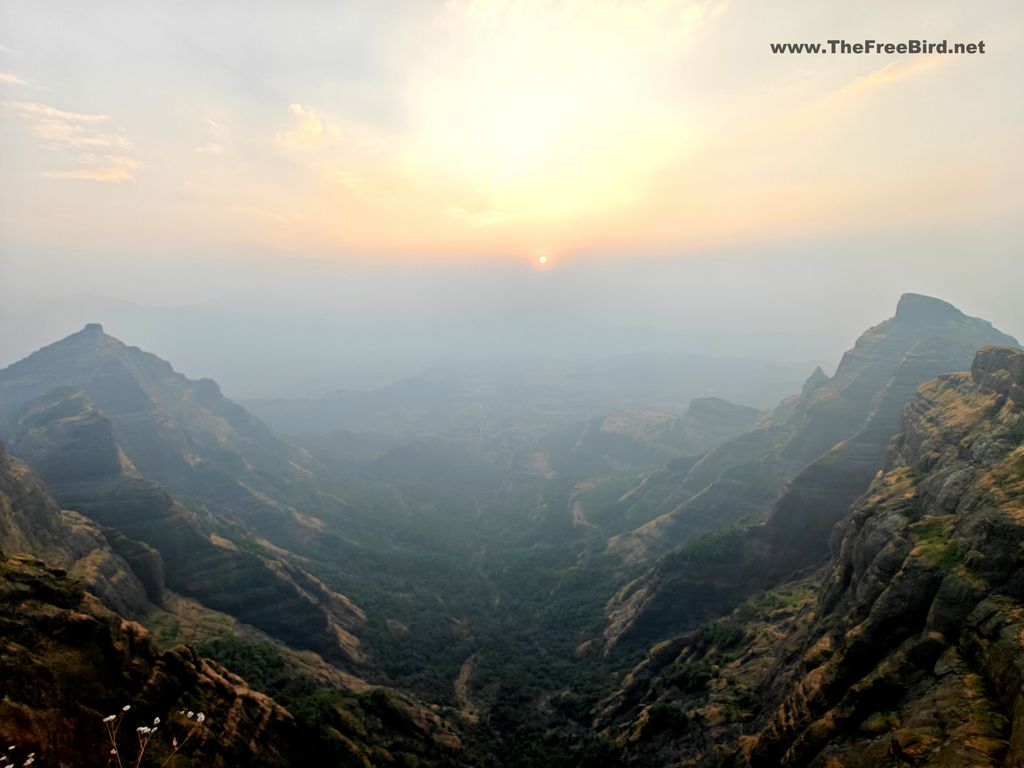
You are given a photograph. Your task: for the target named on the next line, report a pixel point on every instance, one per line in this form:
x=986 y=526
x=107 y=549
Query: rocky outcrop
x=31 y=524
x=72 y=444
x=68 y=662
x=873 y=384
x=928 y=582
x=909 y=653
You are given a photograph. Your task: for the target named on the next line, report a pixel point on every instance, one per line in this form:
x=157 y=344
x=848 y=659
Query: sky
x=651 y=158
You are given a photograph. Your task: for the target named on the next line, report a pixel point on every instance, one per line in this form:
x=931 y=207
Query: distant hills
x=344 y=337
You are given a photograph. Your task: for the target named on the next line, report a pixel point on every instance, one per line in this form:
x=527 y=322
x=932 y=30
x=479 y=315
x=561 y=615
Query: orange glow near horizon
x=510 y=129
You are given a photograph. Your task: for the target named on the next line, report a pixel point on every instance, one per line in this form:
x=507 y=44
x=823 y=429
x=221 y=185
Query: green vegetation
x=338 y=727
x=714 y=547
x=662 y=717
x=933 y=541
x=690 y=677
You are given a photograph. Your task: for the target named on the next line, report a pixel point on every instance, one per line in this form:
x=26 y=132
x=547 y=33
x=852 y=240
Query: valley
x=456 y=573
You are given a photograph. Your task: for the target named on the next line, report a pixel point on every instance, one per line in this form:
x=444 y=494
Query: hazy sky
x=174 y=152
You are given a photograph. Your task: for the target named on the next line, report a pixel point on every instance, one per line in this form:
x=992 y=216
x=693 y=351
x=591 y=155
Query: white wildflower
x=142 y=729
x=113 y=751
x=200 y=717
x=156 y=721
x=109 y=718
x=126 y=707
x=190 y=714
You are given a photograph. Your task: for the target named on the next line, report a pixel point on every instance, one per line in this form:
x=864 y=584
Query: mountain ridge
x=878 y=376
x=175 y=467
x=905 y=649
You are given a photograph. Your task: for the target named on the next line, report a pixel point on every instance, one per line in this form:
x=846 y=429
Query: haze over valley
x=460 y=572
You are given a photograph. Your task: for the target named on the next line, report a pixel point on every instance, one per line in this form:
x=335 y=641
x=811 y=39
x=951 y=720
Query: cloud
x=310 y=131
x=100 y=150
x=35 y=109
x=219 y=139
x=893 y=71
x=103 y=168
x=8 y=79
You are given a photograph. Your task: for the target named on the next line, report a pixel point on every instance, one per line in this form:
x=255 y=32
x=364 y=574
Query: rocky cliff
x=928 y=585
x=73 y=446
x=67 y=663
x=740 y=481
x=717 y=567
x=906 y=649
x=67 y=660
x=126 y=578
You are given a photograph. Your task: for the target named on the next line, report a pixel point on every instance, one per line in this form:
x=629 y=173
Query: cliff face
x=30 y=523
x=72 y=444
x=907 y=649
x=928 y=585
x=67 y=662
x=740 y=481
x=871 y=387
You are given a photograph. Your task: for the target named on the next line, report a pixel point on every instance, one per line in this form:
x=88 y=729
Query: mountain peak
x=815 y=380
x=91 y=333
x=918 y=308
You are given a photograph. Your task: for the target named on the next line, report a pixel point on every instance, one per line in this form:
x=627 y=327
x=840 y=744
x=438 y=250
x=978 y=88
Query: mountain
x=181 y=433
x=324 y=595
x=905 y=649
x=793 y=476
x=176 y=470
x=739 y=481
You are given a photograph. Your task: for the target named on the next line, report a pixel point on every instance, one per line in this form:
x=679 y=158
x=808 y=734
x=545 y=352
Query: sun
x=542 y=260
